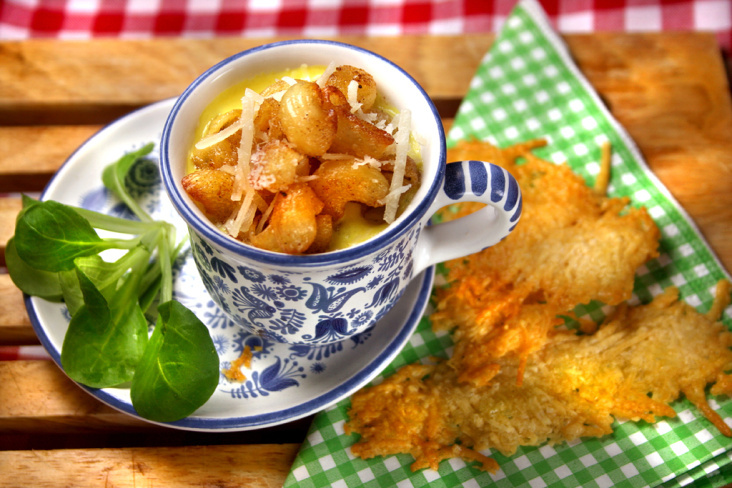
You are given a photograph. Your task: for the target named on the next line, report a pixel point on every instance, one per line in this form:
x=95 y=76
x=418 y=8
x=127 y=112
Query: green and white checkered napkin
x=527 y=87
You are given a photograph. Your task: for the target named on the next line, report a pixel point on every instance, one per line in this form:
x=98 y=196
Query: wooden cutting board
x=669 y=90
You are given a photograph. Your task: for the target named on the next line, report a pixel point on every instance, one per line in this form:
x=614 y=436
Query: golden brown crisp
x=570 y=247
x=211 y=189
x=639 y=361
x=515 y=378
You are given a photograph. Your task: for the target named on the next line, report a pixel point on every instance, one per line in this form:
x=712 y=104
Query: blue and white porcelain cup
x=328 y=297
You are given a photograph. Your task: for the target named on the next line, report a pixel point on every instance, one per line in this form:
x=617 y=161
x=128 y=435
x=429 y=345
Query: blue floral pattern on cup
x=276 y=305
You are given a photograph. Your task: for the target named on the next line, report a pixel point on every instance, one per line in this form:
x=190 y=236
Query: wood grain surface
x=672 y=94
x=177 y=467
x=670 y=91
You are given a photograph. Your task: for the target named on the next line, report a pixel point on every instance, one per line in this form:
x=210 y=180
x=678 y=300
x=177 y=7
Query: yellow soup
x=350 y=229
x=230 y=98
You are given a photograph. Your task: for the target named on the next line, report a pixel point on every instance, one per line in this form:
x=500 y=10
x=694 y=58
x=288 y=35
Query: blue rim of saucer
x=205 y=229
x=233 y=424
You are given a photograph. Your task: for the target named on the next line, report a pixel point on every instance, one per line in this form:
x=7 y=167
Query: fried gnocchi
x=341 y=181
x=278 y=172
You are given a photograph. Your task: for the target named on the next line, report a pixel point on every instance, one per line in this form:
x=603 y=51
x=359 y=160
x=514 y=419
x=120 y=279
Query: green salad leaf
x=31 y=281
x=179 y=370
x=71 y=289
x=55 y=254
x=105 y=340
x=50 y=235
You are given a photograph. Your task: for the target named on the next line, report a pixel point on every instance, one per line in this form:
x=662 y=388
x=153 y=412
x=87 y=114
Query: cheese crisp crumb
x=233 y=372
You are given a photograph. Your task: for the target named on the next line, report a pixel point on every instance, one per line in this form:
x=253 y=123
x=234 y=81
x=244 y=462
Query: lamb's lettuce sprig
x=55 y=255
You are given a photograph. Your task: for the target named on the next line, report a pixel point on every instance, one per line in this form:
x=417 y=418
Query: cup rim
x=206 y=230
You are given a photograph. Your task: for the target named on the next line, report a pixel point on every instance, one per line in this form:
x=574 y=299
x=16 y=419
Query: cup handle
x=470 y=181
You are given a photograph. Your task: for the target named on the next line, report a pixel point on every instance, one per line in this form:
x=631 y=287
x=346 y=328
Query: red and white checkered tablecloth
x=86 y=19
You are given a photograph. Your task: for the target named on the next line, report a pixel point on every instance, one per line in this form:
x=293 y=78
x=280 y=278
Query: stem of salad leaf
x=55 y=255
x=114 y=177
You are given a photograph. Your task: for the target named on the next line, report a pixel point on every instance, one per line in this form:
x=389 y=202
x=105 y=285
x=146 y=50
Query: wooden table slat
x=32 y=154
x=39 y=398
x=253 y=466
x=15 y=326
x=75 y=75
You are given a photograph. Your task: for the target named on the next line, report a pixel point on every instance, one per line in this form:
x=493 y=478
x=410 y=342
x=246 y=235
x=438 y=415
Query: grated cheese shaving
x=262 y=181
x=384 y=125
x=395 y=193
x=214 y=139
x=242 y=188
x=367 y=161
x=277 y=95
x=323 y=79
x=335 y=156
x=246 y=119
x=289 y=80
x=227 y=168
x=265 y=216
x=353 y=96
x=256 y=169
x=401 y=140
x=260 y=202
x=245 y=214
x=373 y=162
x=368 y=117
